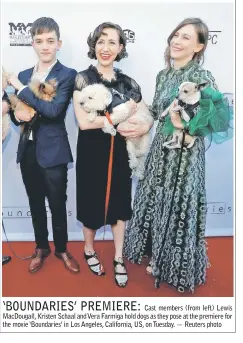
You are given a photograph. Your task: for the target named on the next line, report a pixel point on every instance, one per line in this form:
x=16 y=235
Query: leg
x=143 y=145
x=56 y=185
x=92 y=116
x=108 y=128
x=34 y=185
x=55 y=179
x=121 y=277
x=139 y=171
x=173 y=140
x=90 y=254
x=178 y=139
x=133 y=161
x=192 y=142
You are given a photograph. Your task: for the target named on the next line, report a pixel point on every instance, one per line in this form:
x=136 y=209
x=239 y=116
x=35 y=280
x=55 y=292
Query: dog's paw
x=138 y=173
x=173 y=146
x=109 y=128
x=110 y=131
x=190 y=145
x=92 y=116
x=133 y=163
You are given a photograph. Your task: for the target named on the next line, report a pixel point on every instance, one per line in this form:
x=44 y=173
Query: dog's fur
x=97 y=97
x=43 y=90
x=5 y=117
x=190 y=94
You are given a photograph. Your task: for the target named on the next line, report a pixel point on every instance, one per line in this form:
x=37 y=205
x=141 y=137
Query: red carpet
x=53 y=280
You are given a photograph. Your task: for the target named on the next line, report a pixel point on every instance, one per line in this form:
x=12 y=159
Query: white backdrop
x=151 y=24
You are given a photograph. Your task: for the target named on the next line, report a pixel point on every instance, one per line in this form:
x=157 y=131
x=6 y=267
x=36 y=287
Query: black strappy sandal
x=87 y=257
x=115 y=264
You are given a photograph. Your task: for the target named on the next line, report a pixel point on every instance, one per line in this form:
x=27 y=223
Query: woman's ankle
x=88 y=249
x=118 y=258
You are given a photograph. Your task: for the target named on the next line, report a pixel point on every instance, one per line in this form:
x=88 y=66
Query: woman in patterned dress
x=169 y=211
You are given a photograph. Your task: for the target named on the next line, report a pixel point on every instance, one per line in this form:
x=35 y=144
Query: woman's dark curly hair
x=93 y=38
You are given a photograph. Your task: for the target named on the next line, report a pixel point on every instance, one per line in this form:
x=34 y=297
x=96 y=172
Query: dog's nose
x=81 y=103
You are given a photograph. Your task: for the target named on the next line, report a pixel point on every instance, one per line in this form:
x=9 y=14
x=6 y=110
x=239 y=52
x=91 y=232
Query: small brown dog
x=42 y=90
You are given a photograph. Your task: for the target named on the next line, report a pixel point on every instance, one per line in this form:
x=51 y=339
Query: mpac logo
x=19 y=34
x=130 y=35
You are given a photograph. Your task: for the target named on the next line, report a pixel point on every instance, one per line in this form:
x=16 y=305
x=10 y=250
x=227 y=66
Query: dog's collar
x=187 y=106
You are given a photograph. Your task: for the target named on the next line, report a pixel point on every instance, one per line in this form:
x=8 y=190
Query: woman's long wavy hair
x=202 y=33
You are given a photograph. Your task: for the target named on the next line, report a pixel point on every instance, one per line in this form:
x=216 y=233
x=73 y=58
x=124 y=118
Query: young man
x=44 y=150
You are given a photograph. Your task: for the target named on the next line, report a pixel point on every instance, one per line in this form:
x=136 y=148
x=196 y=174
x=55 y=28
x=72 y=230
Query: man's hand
x=23 y=115
x=14 y=81
x=5 y=107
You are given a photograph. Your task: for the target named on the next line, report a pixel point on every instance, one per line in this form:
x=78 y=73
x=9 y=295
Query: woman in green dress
x=169 y=210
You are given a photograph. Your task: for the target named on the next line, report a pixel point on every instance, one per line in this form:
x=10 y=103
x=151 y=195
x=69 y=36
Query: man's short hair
x=44 y=24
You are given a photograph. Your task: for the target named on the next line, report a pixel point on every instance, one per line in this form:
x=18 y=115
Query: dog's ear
x=53 y=82
x=202 y=85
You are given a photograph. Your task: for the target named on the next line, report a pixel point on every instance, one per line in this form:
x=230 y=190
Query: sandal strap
x=118 y=262
x=87 y=257
x=93 y=265
x=117 y=273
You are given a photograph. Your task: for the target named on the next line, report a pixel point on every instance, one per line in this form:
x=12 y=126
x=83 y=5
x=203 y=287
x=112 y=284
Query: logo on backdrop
x=24 y=212
x=213 y=36
x=19 y=34
x=218 y=208
x=130 y=35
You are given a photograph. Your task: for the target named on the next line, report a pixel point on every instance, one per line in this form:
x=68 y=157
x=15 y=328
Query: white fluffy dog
x=187 y=103
x=97 y=97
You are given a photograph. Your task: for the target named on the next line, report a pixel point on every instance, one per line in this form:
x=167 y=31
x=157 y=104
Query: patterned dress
x=169 y=210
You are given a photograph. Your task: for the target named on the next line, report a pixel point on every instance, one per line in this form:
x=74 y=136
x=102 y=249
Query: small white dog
x=187 y=103
x=97 y=97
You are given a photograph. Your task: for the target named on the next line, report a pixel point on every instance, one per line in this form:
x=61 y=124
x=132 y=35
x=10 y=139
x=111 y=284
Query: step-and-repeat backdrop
x=147 y=27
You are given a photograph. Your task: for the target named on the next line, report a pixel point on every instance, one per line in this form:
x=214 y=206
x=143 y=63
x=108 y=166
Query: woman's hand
x=188 y=139
x=138 y=128
x=5 y=108
x=134 y=106
x=23 y=115
x=175 y=117
x=14 y=81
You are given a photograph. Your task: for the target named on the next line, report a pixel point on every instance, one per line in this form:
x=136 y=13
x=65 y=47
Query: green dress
x=169 y=212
